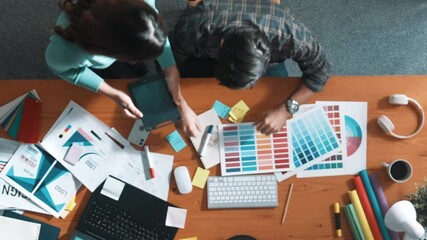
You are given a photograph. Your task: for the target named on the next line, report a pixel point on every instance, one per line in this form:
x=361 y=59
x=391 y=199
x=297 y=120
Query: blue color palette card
x=349 y=120
x=312 y=139
x=40 y=177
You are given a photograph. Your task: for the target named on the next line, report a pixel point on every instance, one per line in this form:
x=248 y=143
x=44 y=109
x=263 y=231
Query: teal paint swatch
x=176 y=141
x=221 y=109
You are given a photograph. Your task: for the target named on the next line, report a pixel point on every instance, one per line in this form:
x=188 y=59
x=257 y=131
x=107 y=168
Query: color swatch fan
x=20 y=118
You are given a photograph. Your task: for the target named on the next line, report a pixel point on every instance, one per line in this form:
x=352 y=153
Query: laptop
x=151 y=95
x=135 y=215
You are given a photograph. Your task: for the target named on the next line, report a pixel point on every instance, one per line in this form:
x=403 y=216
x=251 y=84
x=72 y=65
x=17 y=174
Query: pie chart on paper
x=354 y=135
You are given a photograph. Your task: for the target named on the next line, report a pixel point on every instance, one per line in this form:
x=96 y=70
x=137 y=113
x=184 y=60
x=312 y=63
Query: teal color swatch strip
x=176 y=141
x=374 y=204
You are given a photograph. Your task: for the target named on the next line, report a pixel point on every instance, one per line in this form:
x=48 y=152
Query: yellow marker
x=337 y=219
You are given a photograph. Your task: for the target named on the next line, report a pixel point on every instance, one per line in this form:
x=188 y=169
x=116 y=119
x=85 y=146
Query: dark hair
x=243 y=57
x=128 y=30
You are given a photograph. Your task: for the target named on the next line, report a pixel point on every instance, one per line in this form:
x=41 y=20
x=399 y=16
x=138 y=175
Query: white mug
x=399 y=170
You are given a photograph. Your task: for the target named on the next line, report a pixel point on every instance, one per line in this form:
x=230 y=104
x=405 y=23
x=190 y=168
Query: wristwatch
x=292 y=106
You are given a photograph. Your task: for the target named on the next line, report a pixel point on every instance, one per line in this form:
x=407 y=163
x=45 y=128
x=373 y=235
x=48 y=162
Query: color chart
x=352 y=134
x=312 y=140
x=335 y=163
x=243 y=150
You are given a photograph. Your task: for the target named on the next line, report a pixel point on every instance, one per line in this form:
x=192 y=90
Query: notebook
x=47 y=231
x=151 y=95
x=211 y=154
x=135 y=215
x=16 y=229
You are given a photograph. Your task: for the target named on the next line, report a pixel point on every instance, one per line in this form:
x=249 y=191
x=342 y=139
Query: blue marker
x=205 y=140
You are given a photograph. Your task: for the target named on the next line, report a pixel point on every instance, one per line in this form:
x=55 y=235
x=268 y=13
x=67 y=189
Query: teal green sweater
x=72 y=63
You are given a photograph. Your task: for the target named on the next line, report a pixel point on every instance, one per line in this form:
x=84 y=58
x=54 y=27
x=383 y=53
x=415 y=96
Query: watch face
x=292 y=106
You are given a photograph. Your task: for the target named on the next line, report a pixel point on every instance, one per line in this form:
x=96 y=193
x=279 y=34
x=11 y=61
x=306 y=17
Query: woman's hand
x=122 y=99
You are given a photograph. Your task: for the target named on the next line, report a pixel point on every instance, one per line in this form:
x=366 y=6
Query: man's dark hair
x=243 y=57
x=128 y=30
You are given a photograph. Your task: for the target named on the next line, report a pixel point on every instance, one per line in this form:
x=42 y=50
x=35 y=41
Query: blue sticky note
x=221 y=109
x=176 y=141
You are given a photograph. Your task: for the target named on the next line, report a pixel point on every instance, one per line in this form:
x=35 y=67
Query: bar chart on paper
x=243 y=150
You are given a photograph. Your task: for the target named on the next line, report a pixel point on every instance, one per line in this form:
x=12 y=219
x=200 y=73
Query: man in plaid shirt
x=239 y=41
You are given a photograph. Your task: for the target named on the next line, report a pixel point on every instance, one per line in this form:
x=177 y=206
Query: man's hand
x=273 y=120
x=189 y=123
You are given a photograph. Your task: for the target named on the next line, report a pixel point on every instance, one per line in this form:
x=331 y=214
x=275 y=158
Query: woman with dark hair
x=93 y=34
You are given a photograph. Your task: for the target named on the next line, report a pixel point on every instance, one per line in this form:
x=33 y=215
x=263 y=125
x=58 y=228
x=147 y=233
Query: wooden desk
x=310 y=213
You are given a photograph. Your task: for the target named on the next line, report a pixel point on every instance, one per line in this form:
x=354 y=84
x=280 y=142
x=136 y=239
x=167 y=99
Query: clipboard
x=151 y=96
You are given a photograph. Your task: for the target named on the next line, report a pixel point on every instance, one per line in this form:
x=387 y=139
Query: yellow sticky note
x=71 y=204
x=199 y=179
x=239 y=120
x=190 y=238
x=238 y=111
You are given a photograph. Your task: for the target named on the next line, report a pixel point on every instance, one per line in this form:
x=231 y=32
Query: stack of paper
x=20 y=118
x=133 y=169
x=10 y=197
x=11 y=228
x=92 y=151
x=40 y=177
x=83 y=144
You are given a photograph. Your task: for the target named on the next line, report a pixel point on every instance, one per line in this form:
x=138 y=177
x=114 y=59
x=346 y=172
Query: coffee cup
x=399 y=170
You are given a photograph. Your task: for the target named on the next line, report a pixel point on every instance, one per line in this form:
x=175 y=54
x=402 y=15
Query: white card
x=176 y=217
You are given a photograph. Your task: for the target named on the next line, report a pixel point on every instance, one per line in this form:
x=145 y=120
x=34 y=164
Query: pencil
x=287 y=202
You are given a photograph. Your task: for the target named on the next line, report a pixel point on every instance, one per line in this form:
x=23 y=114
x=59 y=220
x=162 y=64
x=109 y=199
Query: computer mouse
x=182 y=179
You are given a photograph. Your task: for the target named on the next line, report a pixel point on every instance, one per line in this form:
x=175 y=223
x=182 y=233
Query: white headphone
x=386 y=124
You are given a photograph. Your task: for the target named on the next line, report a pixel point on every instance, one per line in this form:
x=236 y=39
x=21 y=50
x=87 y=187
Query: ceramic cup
x=399 y=170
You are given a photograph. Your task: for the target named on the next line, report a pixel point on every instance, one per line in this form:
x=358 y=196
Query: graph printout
x=312 y=140
x=244 y=150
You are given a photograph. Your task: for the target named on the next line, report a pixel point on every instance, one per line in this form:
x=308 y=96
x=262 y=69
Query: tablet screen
x=151 y=96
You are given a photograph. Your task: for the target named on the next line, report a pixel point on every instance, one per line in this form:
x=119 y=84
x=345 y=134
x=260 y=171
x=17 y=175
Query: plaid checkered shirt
x=199 y=30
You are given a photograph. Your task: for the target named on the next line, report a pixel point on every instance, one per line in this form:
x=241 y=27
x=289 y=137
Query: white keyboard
x=250 y=191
